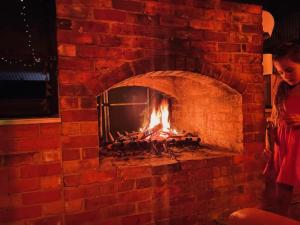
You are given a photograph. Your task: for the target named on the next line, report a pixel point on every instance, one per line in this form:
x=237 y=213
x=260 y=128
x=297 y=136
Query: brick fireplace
x=206 y=54
x=201 y=104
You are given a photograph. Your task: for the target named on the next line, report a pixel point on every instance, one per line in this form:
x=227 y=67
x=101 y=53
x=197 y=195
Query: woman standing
x=286 y=118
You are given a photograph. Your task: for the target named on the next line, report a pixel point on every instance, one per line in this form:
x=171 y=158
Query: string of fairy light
x=28 y=42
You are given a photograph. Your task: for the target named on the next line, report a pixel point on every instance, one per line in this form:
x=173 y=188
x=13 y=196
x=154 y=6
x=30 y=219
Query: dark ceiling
x=277 y=8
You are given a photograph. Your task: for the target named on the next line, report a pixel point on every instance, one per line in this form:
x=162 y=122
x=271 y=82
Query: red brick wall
x=31 y=182
x=50 y=173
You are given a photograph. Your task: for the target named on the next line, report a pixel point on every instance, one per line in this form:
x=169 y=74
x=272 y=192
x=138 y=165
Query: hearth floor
x=154 y=160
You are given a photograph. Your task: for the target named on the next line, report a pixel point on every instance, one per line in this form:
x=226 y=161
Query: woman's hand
x=268 y=154
x=292 y=120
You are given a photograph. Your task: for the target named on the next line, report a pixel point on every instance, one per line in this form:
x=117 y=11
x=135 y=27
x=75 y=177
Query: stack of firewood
x=150 y=138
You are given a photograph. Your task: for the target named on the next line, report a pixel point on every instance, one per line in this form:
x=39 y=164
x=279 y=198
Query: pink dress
x=287 y=150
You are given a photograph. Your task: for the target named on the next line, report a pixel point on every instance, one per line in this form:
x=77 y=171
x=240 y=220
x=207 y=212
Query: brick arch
x=103 y=81
x=164 y=81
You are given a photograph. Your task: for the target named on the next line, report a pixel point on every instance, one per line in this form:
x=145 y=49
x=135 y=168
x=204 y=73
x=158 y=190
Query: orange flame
x=161 y=116
x=165 y=118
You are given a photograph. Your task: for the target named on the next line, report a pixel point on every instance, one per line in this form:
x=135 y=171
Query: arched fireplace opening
x=200 y=110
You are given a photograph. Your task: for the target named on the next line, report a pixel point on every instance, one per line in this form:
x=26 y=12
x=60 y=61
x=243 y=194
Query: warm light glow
x=161 y=116
x=165 y=119
x=155 y=119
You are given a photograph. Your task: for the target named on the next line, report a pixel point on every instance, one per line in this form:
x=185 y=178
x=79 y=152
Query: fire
x=161 y=118
x=165 y=119
x=154 y=119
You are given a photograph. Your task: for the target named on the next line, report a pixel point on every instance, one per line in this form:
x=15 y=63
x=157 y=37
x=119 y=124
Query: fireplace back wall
x=51 y=173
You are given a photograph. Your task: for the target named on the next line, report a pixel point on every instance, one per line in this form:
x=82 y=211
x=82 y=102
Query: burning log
x=120 y=136
x=149 y=138
x=110 y=137
x=149 y=132
x=192 y=139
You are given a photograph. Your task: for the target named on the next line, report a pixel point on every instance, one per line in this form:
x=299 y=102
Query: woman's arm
x=293 y=120
x=270 y=138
